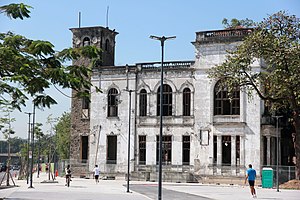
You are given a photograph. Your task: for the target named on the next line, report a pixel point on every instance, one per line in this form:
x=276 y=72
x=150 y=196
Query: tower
x=104 y=39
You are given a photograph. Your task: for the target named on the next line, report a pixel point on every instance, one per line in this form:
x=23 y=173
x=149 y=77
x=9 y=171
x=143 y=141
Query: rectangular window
x=225 y=104
x=186 y=150
x=85 y=108
x=112 y=103
x=85 y=103
x=166 y=149
x=111 y=154
x=142 y=149
x=143 y=102
x=84 y=148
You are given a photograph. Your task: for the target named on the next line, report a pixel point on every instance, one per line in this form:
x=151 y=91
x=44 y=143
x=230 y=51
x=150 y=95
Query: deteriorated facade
x=204 y=133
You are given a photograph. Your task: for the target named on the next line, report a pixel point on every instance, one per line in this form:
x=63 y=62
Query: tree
x=275 y=40
x=62 y=136
x=28 y=67
x=236 y=23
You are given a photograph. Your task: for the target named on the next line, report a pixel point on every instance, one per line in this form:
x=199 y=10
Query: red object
x=56 y=173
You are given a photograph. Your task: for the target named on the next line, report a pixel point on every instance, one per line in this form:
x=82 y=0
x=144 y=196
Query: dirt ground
x=292 y=184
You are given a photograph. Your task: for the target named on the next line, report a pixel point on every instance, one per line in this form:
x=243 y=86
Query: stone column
x=268 y=150
x=219 y=154
x=233 y=155
x=242 y=154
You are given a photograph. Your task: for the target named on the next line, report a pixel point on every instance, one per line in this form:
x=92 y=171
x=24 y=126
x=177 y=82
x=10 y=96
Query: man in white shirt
x=96 y=173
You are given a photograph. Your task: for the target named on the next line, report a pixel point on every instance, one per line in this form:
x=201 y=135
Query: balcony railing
x=222 y=35
x=167 y=65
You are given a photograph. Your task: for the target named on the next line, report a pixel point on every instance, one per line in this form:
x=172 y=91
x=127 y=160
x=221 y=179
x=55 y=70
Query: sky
x=135 y=21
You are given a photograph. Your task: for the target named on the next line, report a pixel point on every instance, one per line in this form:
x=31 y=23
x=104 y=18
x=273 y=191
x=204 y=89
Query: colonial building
x=204 y=133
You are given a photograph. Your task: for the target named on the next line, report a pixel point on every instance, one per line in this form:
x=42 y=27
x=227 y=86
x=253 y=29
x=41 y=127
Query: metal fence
x=285 y=173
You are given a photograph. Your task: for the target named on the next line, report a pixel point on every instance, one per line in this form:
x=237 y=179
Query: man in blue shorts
x=251 y=175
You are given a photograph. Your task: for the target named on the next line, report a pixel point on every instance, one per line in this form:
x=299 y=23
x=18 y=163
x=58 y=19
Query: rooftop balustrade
x=222 y=35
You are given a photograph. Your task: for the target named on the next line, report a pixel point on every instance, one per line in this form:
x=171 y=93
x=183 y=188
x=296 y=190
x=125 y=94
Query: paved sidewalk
x=227 y=192
x=87 y=189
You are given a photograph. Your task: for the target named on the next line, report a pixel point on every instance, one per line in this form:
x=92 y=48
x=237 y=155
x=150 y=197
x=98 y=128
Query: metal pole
x=39 y=146
x=161 y=121
x=277 y=157
x=32 y=146
x=277 y=162
x=97 y=145
x=128 y=160
x=28 y=141
x=162 y=41
x=8 y=156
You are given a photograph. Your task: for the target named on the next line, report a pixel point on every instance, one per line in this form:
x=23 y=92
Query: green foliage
x=28 y=67
x=16 y=10
x=5 y=121
x=276 y=42
x=235 y=23
x=62 y=137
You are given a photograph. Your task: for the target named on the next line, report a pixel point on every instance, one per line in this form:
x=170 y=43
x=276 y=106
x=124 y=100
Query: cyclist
x=68 y=175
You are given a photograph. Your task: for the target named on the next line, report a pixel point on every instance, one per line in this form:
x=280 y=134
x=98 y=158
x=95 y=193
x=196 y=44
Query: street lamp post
x=28 y=142
x=277 y=157
x=129 y=127
x=162 y=42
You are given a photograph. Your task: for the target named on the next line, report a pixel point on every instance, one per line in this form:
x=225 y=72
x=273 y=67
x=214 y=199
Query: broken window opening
x=166 y=149
x=142 y=149
x=186 y=143
x=111 y=154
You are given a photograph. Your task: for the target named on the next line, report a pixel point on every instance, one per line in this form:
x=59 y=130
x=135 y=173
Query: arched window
x=167 y=101
x=86 y=41
x=143 y=102
x=112 y=103
x=186 y=101
x=107 y=45
x=223 y=104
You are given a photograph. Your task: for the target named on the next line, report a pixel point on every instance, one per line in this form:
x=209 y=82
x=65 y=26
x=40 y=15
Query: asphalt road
x=150 y=190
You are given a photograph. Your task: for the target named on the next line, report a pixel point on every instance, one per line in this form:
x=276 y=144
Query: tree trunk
x=297 y=145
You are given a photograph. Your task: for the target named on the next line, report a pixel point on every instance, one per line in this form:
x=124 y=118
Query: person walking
x=68 y=175
x=96 y=173
x=251 y=175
